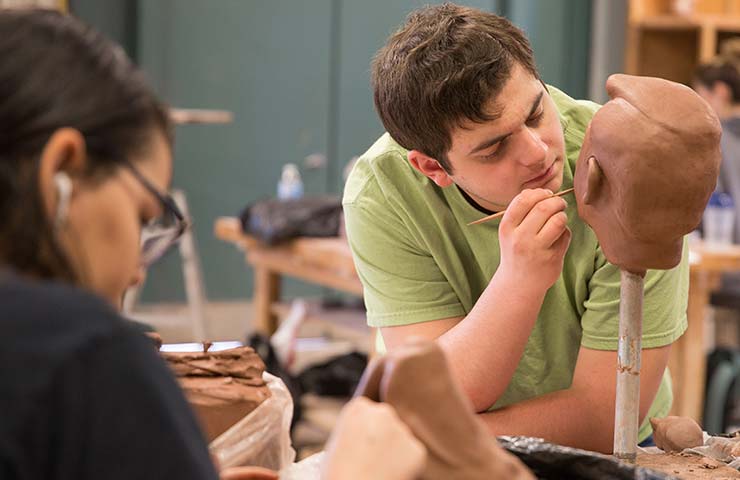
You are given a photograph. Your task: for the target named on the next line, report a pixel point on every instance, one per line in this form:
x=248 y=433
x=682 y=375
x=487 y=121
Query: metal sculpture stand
x=627 y=415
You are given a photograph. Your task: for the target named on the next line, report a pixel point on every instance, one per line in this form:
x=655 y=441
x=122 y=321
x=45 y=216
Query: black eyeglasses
x=161 y=233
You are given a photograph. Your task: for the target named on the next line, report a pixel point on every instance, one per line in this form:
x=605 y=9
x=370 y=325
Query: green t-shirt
x=419 y=261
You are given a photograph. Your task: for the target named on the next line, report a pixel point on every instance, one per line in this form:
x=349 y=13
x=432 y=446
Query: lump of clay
x=648 y=164
x=416 y=380
x=222 y=387
x=674 y=434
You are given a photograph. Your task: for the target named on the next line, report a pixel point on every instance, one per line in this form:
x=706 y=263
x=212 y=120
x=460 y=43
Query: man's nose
x=534 y=148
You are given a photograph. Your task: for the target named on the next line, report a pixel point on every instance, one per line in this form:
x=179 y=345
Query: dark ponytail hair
x=56 y=72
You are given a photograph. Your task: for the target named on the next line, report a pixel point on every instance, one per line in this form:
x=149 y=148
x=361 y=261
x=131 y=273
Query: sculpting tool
x=501 y=213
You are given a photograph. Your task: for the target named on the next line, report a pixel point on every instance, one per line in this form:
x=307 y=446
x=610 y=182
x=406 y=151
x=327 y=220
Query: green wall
x=560 y=34
x=296 y=75
x=117 y=18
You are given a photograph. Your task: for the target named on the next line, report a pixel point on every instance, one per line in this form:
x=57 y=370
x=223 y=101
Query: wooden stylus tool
x=501 y=213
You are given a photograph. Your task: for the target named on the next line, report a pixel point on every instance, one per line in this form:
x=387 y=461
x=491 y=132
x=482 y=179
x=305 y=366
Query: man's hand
x=534 y=237
x=370 y=441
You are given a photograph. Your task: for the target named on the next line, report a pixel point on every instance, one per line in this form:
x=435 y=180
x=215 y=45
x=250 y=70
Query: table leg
x=694 y=362
x=266 y=292
x=675 y=365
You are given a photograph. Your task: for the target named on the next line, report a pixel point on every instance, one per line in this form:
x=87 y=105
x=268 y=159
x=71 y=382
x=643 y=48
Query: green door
x=268 y=63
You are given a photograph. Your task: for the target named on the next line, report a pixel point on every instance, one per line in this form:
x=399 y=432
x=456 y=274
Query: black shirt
x=85 y=396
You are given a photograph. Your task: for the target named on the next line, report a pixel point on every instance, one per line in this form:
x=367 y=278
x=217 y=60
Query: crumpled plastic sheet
x=550 y=461
x=262 y=438
x=712 y=448
x=307 y=469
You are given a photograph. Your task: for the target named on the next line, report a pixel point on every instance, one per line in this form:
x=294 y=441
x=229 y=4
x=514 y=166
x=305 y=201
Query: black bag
x=551 y=461
x=274 y=221
x=337 y=377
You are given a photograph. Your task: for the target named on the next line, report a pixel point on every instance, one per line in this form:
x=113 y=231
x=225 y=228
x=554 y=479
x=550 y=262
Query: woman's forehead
x=155 y=162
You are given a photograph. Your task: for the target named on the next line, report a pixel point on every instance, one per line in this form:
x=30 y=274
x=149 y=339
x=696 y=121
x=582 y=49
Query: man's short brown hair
x=440 y=69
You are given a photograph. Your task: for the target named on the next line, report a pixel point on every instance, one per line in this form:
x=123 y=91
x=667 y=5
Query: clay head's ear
x=369 y=385
x=594 y=180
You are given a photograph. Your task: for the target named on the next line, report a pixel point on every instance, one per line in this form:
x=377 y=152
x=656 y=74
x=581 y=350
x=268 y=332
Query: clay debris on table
x=688 y=455
x=687 y=466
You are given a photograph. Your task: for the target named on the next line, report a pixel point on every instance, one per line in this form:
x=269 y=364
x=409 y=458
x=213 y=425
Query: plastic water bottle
x=719 y=220
x=290 y=185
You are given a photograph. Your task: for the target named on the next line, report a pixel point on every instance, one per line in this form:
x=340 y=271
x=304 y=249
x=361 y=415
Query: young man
x=525 y=307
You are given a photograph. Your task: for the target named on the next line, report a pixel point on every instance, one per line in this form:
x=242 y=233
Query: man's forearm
x=567 y=417
x=485 y=347
x=582 y=415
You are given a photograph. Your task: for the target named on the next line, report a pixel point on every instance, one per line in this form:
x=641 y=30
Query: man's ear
x=64 y=152
x=430 y=168
x=593 y=184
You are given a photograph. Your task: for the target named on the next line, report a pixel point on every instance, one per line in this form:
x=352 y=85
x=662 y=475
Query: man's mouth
x=543 y=176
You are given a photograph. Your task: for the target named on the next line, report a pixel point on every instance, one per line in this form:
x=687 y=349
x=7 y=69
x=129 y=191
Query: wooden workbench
x=328 y=262
x=322 y=261
x=688 y=361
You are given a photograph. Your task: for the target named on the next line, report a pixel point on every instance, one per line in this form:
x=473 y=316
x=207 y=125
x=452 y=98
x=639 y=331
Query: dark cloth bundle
x=273 y=221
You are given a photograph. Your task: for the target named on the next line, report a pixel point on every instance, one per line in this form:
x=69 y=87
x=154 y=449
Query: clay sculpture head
x=416 y=380
x=648 y=164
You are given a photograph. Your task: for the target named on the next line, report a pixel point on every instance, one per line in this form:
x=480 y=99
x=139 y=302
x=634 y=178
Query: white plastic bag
x=307 y=469
x=262 y=438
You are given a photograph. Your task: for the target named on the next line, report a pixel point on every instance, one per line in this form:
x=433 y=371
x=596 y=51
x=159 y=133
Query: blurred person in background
x=718 y=82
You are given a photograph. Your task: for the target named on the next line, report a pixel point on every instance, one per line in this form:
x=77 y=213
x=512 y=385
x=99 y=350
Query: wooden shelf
x=678 y=22
x=661 y=43
x=649 y=8
x=182 y=116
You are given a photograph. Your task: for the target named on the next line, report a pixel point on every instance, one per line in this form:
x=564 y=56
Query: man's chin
x=557 y=180
x=555 y=184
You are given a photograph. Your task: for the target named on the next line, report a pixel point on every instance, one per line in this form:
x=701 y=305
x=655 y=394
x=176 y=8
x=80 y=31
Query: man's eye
x=535 y=120
x=497 y=149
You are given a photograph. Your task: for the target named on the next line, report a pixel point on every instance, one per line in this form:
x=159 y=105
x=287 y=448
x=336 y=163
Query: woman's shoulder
x=51 y=317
